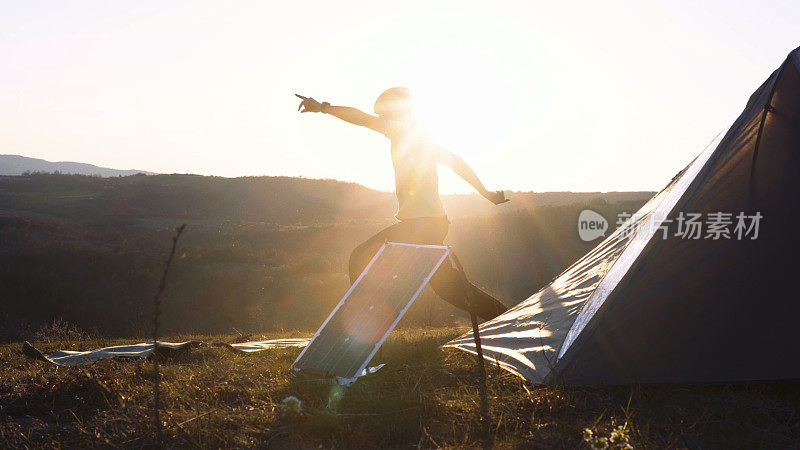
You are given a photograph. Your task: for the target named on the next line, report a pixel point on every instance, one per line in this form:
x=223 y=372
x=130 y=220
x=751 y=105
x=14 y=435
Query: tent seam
x=766 y=109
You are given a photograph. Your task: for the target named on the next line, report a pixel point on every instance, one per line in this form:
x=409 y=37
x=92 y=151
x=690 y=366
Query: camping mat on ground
x=257 y=346
x=145 y=349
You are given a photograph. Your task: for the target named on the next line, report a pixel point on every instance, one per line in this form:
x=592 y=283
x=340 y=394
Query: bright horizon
x=536 y=97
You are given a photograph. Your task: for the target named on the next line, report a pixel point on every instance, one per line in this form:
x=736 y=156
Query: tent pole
x=476 y=335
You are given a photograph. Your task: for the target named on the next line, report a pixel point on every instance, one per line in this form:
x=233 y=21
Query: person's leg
x=446 y=281
x=417 y=231
x=449 y=285
x=363 y=254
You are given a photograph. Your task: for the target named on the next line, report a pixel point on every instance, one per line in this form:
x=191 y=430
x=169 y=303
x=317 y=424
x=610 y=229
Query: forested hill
x=278 y=200
x=258 y=253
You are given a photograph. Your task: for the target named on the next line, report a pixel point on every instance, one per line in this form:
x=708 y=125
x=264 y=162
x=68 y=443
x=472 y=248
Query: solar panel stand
x=484 y=413
x=347 y=377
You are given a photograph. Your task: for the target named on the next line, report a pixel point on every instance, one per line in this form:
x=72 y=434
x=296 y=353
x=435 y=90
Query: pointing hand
x=496 y=197
x=308 y=104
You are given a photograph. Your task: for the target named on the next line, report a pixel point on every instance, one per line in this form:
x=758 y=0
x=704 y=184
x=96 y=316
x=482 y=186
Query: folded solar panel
x=375 y=303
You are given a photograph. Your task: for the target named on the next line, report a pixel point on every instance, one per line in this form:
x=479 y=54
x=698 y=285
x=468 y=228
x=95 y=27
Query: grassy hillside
x=258 y=253
x=424 y=397
x=278 y=200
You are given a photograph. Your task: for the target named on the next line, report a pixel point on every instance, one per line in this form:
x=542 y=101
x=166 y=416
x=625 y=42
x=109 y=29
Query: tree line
x=258 y=254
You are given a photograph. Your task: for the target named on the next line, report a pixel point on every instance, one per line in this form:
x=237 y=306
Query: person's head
x=394 y=103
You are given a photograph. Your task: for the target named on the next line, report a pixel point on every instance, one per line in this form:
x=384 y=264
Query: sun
x=464 y=100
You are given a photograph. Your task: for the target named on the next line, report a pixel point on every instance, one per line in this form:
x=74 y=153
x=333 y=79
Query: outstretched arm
x=346 y=113
x=462 y=169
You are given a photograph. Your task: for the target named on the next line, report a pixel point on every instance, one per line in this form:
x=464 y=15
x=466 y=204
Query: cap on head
x=394 y=102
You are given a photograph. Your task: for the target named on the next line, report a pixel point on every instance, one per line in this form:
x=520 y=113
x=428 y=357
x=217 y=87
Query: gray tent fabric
x=642 y=308
x=257 y=346
x=145 y=349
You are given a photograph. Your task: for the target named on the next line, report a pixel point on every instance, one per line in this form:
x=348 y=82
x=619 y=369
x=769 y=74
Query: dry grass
x=423 y=397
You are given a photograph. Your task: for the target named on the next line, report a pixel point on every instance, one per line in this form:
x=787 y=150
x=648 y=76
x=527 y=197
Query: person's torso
x=416 y=175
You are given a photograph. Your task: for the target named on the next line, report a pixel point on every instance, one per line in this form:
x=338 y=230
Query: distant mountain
x=18 y=165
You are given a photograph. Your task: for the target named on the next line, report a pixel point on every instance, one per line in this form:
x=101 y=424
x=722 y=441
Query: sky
x=535 y=95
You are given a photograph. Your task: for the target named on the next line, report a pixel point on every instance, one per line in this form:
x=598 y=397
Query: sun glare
x=465 y=107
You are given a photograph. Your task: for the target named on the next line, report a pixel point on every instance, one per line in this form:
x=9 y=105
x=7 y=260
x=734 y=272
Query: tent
x=655 y=303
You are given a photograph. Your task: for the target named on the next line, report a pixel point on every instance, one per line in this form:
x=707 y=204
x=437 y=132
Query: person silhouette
x=421 y=215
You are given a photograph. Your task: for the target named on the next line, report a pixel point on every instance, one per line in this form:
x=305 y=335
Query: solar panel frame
x=304 y=365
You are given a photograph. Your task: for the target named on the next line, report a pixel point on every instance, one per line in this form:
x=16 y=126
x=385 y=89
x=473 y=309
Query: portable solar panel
x=369 y=311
